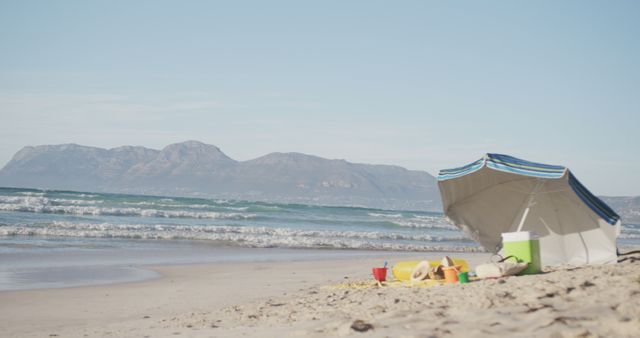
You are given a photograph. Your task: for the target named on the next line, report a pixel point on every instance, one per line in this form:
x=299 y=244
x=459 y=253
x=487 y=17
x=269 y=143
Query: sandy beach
x=301 y=298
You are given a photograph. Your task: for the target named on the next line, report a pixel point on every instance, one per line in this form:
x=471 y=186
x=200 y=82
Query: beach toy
x=420 y=271
x=463 y=277
x=436 y=272
x=447 y=261
x=402 y=270
x=497 y=270
x=524 y=246
x=380 y=274
x=451 y=274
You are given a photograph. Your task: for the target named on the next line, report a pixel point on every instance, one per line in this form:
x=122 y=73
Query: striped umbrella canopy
x=500 y=193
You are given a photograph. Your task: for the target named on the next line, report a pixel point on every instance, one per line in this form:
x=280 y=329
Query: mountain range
x=193 y=168
x=627 y=207
x=196 y=169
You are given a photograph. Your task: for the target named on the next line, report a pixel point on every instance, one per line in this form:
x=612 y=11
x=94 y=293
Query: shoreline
x=132 y=261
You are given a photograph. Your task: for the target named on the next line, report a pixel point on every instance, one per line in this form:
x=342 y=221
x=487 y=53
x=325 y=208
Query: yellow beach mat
x=373 y=284
x=402 y=270
x=370 y=284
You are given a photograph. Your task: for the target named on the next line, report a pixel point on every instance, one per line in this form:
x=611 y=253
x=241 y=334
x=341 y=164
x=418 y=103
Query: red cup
x=380 y=274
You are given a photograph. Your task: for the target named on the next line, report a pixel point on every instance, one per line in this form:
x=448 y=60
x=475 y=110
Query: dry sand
x=282 y=299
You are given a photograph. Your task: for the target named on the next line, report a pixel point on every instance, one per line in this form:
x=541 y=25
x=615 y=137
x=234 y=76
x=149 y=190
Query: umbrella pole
x=524 y=217
x=530 y=203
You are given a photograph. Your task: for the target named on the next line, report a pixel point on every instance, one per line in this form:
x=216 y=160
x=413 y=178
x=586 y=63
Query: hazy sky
x=421 y=84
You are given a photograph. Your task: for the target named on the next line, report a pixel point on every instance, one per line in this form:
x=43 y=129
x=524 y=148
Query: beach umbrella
x=500 y=193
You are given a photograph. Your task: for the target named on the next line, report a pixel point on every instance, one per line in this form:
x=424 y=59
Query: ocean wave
x=415 y=221
x=81 y=195
x=258 y=230
x=186 y=206
x=262 y=208
x=62 y=201
x=29 y=193
x=237 y=208
x=170 y=205
x=97 y=211
x=247 y=236
x=435 y=223
x=39 y=200
x=375 y=214
x=24 y=200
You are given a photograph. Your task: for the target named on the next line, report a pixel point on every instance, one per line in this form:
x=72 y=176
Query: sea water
x=31 y=217
x=44 y=232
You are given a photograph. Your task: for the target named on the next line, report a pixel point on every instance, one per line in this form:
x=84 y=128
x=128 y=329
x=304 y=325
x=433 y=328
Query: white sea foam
x=266 y=231
x=245 y=236
x=79 y=195
x=237 y=208
x=415 y=221
x=431 y=223
x=28 y=200
x=63 y=201
x=40 y=204
x=96 y=211
x=375 y=214
x=187 y=206
x=39 y=200
x=420 y=224
x=267 y=208
x=29 y=193
x=170 y=205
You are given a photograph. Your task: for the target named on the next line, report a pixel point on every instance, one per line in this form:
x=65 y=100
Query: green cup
x=463 y=277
